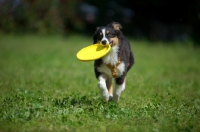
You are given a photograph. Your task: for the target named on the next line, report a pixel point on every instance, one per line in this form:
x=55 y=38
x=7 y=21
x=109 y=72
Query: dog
x=115 y=64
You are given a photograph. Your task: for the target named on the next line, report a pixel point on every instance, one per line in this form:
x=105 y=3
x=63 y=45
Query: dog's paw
x=103 y=91
x=110 y=98
x=105 y=97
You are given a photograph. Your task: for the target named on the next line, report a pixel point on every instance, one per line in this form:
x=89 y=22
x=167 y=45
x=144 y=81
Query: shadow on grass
x=90 y=105
x=79 y=100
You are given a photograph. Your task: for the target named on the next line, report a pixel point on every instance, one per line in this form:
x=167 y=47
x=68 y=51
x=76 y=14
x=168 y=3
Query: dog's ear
x=116 y=26
x=95 y=36
x=97 y=28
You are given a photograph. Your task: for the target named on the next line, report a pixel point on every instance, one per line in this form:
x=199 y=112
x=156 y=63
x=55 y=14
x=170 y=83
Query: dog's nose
x=103 y=42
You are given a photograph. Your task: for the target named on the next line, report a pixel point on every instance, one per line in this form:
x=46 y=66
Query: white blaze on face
x=104 y=36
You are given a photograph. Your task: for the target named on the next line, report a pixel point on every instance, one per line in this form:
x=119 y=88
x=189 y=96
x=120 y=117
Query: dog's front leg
x=110 y=88
x=102 y=87
x=119 y=87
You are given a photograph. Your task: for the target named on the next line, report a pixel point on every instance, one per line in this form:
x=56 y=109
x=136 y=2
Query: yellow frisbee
x=93 y=52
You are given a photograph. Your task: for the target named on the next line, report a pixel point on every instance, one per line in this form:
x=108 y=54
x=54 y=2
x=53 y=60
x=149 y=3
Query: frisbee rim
x=95 y=57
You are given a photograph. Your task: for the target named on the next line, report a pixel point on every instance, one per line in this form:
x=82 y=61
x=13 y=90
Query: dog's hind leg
x=110 y=88
x=103 y=88
x=120 y=86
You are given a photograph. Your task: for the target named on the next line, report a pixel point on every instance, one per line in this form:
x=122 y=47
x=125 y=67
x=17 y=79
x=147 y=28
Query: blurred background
x=155 y=20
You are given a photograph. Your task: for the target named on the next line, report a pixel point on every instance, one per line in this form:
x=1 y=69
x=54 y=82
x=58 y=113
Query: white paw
x=103 y=91
x=105 y=97
x=104 y=94
x=117 y=94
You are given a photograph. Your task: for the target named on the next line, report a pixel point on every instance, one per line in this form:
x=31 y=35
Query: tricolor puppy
x=115 y=64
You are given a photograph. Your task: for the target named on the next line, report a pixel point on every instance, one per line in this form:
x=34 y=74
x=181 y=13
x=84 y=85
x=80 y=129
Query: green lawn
x=43 y=87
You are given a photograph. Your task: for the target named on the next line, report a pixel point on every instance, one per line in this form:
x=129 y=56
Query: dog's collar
x=113 y=68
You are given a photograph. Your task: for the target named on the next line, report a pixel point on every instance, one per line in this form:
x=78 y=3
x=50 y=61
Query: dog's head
x=108 y=34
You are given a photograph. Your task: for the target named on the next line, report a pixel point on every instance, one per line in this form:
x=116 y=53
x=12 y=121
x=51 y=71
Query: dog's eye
x=110 y=35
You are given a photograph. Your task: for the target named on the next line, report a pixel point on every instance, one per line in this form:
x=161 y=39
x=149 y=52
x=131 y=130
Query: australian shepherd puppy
x=115 y=64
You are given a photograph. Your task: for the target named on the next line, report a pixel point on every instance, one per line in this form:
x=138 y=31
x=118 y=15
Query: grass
x=43 y=87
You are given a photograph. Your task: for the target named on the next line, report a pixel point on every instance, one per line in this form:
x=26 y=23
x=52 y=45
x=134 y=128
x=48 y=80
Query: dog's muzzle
x=104 y=42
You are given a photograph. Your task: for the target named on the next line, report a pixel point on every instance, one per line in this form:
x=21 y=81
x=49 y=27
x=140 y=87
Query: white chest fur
x=112 y=58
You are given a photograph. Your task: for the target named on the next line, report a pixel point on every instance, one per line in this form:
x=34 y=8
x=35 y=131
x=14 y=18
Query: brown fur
x=109 y=86
x=116 y=26
x=115 y=40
